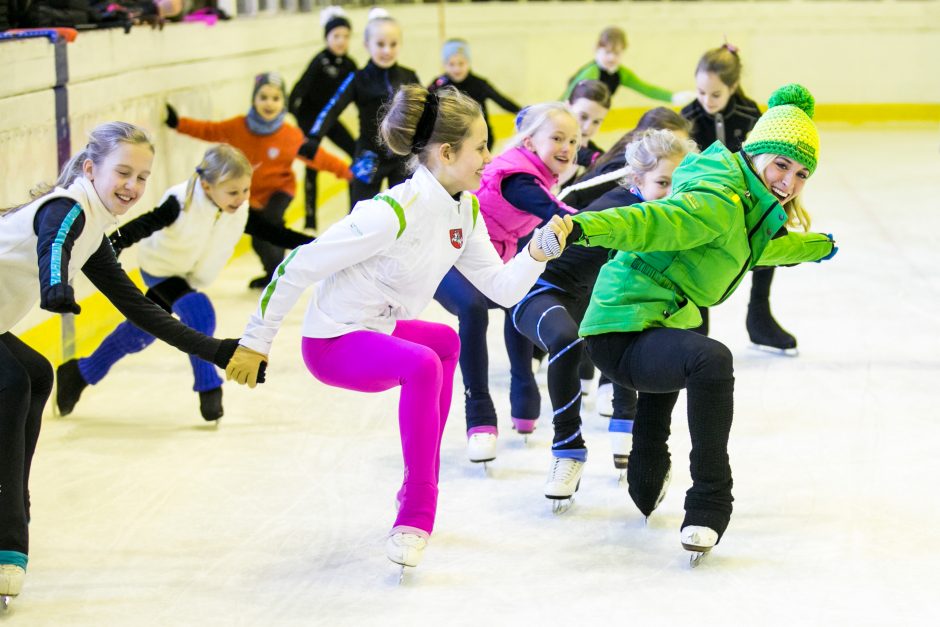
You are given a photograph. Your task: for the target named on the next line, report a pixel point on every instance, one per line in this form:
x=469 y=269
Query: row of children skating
x=657 y=231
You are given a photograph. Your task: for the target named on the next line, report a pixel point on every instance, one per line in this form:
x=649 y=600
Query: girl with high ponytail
x=376 y=270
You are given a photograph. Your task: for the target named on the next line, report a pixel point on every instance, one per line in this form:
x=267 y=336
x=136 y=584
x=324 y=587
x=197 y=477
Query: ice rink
x=142 y=515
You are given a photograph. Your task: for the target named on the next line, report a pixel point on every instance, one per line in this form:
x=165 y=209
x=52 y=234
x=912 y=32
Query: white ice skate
x=481 y=448
x=405 y=548
x=11 y=583
x=698 y=540
x=605 y=400
x=620 y=444
x=563 y=481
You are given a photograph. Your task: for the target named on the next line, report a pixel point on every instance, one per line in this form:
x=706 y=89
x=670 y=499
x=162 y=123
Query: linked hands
x=548 y=242
x=246 y=367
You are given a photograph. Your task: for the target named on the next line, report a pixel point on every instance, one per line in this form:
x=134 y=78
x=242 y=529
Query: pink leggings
x=420 y=357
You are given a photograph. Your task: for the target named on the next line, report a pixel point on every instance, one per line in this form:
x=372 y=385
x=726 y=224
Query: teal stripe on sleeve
x=55 y=261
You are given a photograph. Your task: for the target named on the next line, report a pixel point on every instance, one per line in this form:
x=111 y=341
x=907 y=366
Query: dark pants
x=25 y=385
x=462 y=299
x=549 y=319
x=271 y=256
x=341 y=137
x=658 y=363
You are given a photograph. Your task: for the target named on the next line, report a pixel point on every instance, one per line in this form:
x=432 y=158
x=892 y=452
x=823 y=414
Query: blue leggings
x=461 y=298
x=194 y=310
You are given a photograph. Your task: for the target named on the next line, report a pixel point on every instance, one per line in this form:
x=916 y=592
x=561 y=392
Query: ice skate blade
x=773 y=350
x=622 y=478
x=5 y=602
x=698 y=554
x=560 y=505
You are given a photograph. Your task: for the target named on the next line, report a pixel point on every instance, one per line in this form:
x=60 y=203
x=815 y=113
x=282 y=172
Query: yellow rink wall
x=866 y=63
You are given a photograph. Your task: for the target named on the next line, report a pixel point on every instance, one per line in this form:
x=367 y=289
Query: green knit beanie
x=787 y=128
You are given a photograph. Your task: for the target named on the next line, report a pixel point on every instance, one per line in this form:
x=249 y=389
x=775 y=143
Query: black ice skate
x=765 y=333
x=210 y=405
x=69 y=384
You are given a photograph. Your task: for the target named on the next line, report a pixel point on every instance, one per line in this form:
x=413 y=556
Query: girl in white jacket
x=378 y=268
x=185 y=244
x=43 y=245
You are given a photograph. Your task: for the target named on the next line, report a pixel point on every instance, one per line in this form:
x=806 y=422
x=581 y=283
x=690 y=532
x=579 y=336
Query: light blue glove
x=365 y=166
x=833 y=252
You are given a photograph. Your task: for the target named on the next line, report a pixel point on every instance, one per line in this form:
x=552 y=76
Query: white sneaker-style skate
x=605 y=400
x=698 y=540
x=11 y=583
x=405 y=548
x=481 y=447
x=564 y=478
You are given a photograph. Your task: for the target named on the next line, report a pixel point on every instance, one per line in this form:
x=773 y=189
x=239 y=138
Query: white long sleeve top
x=384 y=261
x=198 y=244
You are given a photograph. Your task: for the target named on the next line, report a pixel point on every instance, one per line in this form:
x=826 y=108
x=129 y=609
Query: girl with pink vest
x=515 y=197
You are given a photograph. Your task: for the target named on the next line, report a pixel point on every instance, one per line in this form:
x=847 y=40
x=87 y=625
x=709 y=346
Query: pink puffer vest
x=505 y=223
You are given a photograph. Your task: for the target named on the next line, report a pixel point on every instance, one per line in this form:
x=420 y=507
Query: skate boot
x=524 y=427
x=259 y=282
x=564 y=479
x=405 y=546
x=766 y=333
x=210 y=405
x=69 y=384
x=481 y=444
x=605 y=400
x=698 y=540
x=11 y=583
x=648 y=483
x=621 y=441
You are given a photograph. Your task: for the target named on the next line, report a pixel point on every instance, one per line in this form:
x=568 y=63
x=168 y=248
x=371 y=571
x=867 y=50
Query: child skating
x=376 y=269
x=43 y=245
x=185 y=244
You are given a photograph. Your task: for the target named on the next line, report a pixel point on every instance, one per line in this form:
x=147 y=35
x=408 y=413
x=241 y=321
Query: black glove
x=309 y=149
x=60 y=299
x=172 y=120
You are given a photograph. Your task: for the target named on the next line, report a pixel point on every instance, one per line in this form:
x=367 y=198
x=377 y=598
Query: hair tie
x=425 y=126
x=729 y=47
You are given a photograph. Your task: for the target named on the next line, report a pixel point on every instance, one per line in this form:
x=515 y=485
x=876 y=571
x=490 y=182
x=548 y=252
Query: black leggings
x=271 y=256
x=25 y=385
x=341 y=137
x=549 y=318
x=658 y=363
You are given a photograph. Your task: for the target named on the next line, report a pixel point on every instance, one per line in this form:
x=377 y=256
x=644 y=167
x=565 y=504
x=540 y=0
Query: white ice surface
x=144 y=516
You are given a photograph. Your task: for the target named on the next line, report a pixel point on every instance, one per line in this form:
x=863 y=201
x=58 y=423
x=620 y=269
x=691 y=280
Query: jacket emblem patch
x=456 y=238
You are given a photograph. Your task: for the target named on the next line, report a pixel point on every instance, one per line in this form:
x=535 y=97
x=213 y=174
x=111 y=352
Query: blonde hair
x=102 y=141
x=377 y=16
x=220 y=163
x=612 y=36
x=456 y=112
x=651 y=146
x=531 y=119
x=797 y=215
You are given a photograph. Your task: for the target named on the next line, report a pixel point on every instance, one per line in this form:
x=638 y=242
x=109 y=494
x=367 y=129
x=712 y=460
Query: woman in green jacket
x=727 y=214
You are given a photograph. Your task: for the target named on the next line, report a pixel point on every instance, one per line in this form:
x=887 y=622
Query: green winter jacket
x=692 y=248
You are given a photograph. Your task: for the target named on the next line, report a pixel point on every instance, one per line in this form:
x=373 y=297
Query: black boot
x=69 y=384
x=764 y=330
x=210 y=404
x=648 y=476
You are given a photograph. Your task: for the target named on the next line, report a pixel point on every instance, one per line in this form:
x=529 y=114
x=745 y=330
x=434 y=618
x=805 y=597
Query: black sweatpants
x=25 y=385
x=658 y=363
x=273 y=213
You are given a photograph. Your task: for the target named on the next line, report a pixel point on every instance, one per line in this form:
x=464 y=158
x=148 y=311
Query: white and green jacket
x=384 y=261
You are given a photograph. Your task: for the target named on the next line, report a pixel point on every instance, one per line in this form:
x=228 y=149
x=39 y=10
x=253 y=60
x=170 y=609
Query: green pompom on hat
x=787 y=128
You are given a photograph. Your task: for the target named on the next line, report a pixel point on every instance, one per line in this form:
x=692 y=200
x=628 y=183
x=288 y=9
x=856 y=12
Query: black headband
x=426 y=123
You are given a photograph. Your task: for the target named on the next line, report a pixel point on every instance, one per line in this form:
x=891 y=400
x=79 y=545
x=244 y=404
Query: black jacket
x=320 y=80
x=737 y=118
